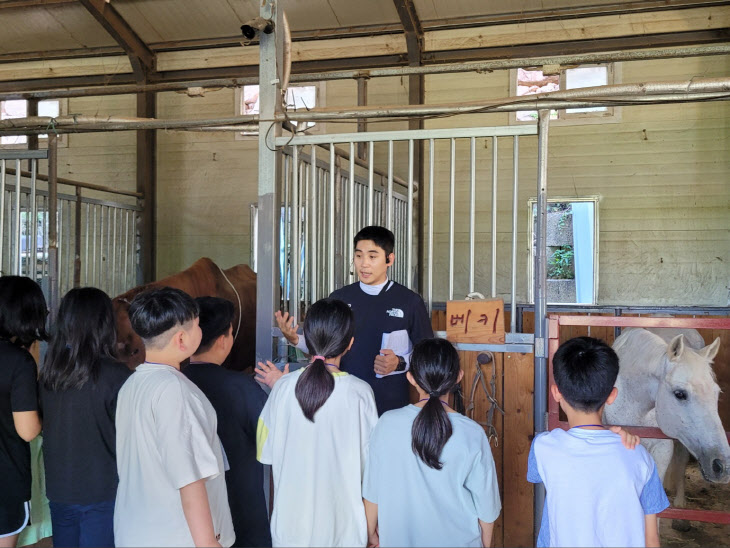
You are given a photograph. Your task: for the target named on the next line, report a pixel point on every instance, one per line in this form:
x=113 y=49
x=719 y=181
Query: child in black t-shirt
x=22 y=322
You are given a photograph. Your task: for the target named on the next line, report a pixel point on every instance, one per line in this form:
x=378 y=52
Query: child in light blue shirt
x=430 y=478
x=598 y=492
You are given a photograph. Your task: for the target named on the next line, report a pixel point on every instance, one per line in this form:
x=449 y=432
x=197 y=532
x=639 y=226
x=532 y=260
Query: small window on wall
x=303 y=97
x=572 y=250
x=531 y=82
x=18 y=108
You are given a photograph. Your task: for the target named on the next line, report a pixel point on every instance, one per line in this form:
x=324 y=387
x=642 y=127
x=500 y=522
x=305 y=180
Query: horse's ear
x=676 y=348
x=710 y=351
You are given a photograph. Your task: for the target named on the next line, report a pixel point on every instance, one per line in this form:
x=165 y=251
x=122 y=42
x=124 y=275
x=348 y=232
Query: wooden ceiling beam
x=412 y=28
x=140 y=55
x=32 y=3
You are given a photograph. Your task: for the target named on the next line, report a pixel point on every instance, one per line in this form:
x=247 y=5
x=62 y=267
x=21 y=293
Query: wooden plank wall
x=514 y=392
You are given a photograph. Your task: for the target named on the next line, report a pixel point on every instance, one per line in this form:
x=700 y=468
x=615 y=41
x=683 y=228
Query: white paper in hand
x=399 y=343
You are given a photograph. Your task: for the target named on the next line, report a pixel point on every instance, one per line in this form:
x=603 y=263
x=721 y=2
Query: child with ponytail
x=430 y=478
x=314 y=431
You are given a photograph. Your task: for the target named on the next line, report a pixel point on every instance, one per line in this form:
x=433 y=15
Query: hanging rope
x=485 y=358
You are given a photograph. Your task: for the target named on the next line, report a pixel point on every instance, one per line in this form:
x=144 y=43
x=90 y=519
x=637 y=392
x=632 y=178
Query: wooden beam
x=141 y=57
x=412 y=28
x=32 y=3
x=147 y=185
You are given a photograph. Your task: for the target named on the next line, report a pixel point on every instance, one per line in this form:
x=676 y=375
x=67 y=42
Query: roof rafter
x=412 y=28
x=140 y=55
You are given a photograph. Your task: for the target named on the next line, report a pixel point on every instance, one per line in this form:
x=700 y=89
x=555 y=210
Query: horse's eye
x=135 y=351
x=680 y=394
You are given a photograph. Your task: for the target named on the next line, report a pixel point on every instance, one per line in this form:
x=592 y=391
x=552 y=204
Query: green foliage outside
x=560 y=265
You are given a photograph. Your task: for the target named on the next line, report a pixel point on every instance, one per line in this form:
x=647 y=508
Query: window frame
x=62 y=140
x=611 y=115
x=319 y=126
x=531 y=202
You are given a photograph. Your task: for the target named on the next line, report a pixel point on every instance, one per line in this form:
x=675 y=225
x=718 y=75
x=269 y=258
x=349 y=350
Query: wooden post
x=362 y=124
x=147 y=185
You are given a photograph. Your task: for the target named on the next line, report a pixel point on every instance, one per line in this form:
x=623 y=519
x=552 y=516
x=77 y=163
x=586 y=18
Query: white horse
x=665 y=380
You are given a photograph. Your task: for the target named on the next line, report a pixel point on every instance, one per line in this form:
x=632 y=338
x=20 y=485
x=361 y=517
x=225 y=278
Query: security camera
x=250 y=28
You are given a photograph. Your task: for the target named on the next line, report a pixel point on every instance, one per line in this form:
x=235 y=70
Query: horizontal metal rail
x=83 y=199
x=23 y=155
x=71 y=182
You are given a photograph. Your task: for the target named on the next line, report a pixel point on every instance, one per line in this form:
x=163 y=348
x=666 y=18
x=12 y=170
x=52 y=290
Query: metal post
x=93 y=248
x=53 y=288
x=515 y=184
x=371 y=182
x=351 y=215
x=494 y=217
x=313 y=266
x=269 y=179
x=33 y=213
x=389 y=209
x=17 y=254
x=409 y=228
x=431 y=155
x=126 y=250
x=77 y=241
x=452 y=184
x=86 y=246
x=296 y=240
x=540 y=291
x=331 y=222
x=286 y=225
x=472 y=209
x=2 y=212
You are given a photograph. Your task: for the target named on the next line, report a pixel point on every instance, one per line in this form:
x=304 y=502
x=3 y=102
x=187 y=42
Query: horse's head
x=130 y=348
x=686 y=406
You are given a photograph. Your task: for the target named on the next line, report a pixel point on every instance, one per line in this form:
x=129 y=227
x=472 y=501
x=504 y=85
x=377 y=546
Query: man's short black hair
x=585 y=370
x=156 y=311
x=379 y=235
x=216 y=317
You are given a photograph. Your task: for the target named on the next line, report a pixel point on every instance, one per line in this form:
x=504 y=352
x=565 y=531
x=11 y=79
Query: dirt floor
x=705 y=496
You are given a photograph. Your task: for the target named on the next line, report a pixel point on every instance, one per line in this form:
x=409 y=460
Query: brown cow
x=203 y=278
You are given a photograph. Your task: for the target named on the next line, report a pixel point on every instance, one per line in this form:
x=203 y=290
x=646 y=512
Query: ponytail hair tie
x=315 y=358
x=433 y=394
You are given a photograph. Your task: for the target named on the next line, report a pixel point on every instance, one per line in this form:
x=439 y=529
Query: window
x=572 y=250
x=18 y=108
x=304 y=97
x=531 y=82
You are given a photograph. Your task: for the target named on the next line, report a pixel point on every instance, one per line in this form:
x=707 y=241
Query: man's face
x=370 y=262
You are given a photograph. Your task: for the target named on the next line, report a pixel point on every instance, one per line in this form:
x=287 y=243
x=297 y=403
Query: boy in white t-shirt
x=172 y=489
x=598 y=492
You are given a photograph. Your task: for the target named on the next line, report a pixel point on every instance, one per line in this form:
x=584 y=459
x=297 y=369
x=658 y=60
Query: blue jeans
x=83 y=525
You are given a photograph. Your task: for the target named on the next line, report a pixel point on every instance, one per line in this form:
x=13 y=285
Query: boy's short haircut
x=216 y=318
x=379 y=235
x=585 y=371
x=154 y=312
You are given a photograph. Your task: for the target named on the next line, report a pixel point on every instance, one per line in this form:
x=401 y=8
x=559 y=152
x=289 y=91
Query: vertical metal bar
x=33 y=214
x=431 y=154
x=351 y=216
x=515 y=194
x=409 y=228
x=389 y=208
x=371 y=180
x=313 y=267
x=61 y=253
x=331 y=240
x=93 y=247
x=540 y=291
x=296 y=241
x=2 y=212
x=125 y=286
x=452 y=185
x=494 y=216
x=26 y=226
x=86 y=245
x=44 y=228
x=472 y=208
x=286 y=227
x=77 y=240
x=52 y=221
x=114 y=254
x=102 y=257
x=307 y=229
x=17 y=254
x=109 y=253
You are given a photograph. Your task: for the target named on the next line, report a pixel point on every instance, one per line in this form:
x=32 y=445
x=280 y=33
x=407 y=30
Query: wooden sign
x=480 y=321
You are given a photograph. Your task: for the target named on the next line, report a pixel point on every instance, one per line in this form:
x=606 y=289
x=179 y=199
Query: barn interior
x=569 y=157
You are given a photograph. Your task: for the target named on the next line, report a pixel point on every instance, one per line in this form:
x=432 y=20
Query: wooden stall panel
x=517 y=504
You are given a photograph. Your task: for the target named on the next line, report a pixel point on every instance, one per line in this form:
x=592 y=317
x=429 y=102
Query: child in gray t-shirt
x=430 y=478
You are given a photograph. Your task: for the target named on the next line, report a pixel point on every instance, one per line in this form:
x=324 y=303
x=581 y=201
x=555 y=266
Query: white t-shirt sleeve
x=302 y=344
x=372 y=467
x=482 y=484
x=264 y=449
x=184 y=437
x=368 y=419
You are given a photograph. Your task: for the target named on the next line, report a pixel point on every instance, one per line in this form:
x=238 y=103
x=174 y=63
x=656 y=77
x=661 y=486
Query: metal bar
x=707 y=516
x=2 y=211
x=331 y=222
x=408 y=134
x=287 y=224
x=389 y=203
x=33 y=214
x=126 y=252
x=23 y=154
x=515 y=195
x=409 y=250
x=494 y=216
x=431 y=156
x=371 y=182
x=102 y=254
x=472 y=208
x=540 y=291
x=89 y=186
x=442 y=68
x=313 y=230
x=296 y=245
x=86 y=245
x=52 y=221
x=638 y=321
x=93 y=248
x=307 y=229
x=17 y=254
x=351 y=216
x=77 y=240
x=114 y=273
x=452 y=185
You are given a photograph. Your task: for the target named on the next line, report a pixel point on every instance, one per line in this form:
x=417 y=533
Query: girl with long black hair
x=314 y=431
x=79 y=383
x=430 y=478
x=22 y=322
